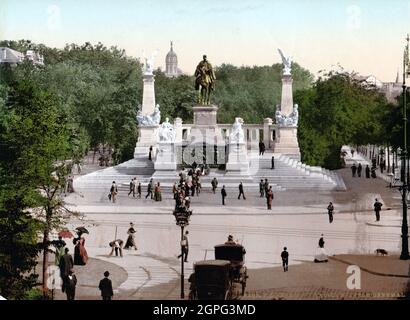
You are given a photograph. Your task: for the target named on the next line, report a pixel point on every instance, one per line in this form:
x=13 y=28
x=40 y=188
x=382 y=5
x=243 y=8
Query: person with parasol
x=80 y=254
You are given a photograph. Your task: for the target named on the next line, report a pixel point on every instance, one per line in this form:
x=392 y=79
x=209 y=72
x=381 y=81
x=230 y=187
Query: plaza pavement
x=297 y=220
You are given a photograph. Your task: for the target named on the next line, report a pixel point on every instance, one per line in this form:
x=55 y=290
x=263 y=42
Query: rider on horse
x=204 y=80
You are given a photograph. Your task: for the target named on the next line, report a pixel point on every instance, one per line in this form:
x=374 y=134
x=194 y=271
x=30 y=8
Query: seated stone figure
x=237 y=135
x=167 y=132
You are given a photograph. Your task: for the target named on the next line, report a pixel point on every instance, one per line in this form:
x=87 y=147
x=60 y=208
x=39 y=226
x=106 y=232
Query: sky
x=366 y=36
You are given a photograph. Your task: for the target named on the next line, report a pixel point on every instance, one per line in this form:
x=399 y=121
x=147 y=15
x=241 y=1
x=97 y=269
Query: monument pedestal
x=147 y=137
x=287 y=142
x=166 y=157
x=206 y=140
x=237 y=158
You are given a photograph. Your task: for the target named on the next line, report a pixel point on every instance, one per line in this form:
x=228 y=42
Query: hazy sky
x=363 y=35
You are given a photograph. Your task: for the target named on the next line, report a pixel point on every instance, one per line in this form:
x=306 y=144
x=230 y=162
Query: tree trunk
x=388 y=159
x=45 y=262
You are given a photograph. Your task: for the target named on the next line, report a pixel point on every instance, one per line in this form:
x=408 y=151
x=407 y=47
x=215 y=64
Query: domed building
x=171 y=64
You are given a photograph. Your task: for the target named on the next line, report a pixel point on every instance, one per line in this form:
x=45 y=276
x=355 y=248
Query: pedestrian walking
x=321 y=242
x=66 y=264
x=266 y=186
x=377 y=208
x=272 y=163
x=269 y=198
x=131 y=238
x=354 y=169
x=105 y=287
x=139 y=190
x=367 y=172
x=184 y=247
x=330 y=209
x=214 y=184
x=285 y=259
x=223 y=193
x=241 y=192
x=359 y=170
x=113 y=192
x=352 y=151
x=133 y=187
x=262 y=188
x=373 y=174
x=69 y=285
x=149 y=189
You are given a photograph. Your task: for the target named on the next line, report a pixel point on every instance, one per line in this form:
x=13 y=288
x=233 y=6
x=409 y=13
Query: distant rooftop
x=8 y=55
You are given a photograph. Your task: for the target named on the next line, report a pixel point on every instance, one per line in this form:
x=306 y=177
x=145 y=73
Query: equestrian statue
x=204 y=81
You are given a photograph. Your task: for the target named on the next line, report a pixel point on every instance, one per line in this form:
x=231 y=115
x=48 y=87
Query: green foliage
x=336 y=111
x=34 y=138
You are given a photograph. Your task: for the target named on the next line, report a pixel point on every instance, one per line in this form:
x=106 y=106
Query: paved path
x=297 y=220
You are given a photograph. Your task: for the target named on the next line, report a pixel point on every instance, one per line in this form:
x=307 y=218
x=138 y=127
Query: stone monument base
x=147 y=137
x=166 y=157
x=237 y=158
x=287 y=142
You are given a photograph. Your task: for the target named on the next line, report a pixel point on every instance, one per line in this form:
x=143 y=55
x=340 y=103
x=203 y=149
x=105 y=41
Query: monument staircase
x=141 y=168
x=292 y=174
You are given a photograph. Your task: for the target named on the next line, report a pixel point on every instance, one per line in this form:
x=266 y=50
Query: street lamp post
x=182 y=220
x=404 y=188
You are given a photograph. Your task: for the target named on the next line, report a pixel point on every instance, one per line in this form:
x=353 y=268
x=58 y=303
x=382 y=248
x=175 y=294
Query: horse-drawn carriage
x=221 y=279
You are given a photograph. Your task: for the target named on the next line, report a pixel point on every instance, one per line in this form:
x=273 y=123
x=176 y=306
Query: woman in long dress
x=131 y=240
x=157 y=193
x=80 y=254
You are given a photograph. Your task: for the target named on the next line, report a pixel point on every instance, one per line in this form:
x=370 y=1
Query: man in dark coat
x=69 y=285
x=223 y=193
x=66 y=264
x=266 y=187
x=330 y=209
x=354 y=169
x=214 y=184
x=149 y=189
x=367 y=172
x=273 y=163
x=377 y=207
x=105 y=287
x=262 y=188
x=241 y=191
x=285 y=259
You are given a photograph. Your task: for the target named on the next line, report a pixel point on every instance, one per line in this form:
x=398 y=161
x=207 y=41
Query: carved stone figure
x=237 y=135
x=287 y=64
x=149 y=63
x=287 y=121
x=167 y=132
x=149 y=120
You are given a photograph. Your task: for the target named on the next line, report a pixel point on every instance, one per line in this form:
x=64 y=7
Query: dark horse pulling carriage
x=221 y=279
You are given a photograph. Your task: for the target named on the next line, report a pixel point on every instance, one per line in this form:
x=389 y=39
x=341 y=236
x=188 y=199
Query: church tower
x=171 y=64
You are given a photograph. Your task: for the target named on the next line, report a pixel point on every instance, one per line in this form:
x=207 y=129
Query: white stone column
x=148 y=95
x=178 y=130
x=286 y=103
x=267 y=132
